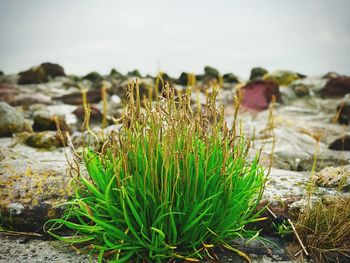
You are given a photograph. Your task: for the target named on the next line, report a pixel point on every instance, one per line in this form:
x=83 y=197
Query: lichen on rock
x=33 y=184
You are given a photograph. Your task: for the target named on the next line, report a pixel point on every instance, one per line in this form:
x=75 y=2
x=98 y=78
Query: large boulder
x=336 y=87
x=341 y=144
x=257 y=95
x=257 y=73
x=343 y=112
x=75 y=98
x=11 y=120
x=41 y=73
x=32 y=185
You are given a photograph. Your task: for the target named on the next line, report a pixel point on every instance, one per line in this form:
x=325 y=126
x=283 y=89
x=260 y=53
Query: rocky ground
x=310 y=122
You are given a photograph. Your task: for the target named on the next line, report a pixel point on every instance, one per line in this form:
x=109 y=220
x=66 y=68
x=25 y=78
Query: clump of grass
x=283 y=228
x=172 y=183
x=325 y=230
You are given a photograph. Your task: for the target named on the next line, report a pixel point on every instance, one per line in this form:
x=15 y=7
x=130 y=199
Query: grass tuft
x=172 y=183
x=325 y=230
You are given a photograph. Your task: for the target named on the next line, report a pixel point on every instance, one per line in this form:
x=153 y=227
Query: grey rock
x=11 y=120
x=65 y=111
x=284 y=183
x=44 y=120
x=334 y=177
x=16 y=249
x=313 y=84
x=297 y=127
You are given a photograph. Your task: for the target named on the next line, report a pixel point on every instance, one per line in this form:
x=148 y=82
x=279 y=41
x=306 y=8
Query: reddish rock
x=336 y=87
x=7 y=92
x=92 y=96
x=341 y=144
x=343 y=111
x=29 y=99
x=95 y=114
x=257 y=95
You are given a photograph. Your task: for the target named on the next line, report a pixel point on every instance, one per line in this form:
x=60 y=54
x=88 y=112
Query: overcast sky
x=311 y=37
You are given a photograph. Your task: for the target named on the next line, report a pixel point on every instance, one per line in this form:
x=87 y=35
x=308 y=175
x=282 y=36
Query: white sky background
x=308 y=36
